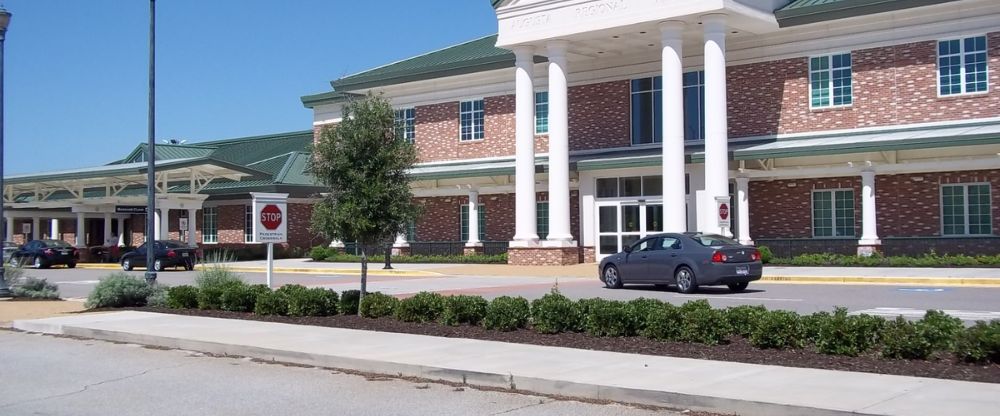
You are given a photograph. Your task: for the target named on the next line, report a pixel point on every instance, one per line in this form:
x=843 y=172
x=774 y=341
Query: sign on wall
x=270 y=217
x=130 y=209
x=26 y=228
x=724 y=210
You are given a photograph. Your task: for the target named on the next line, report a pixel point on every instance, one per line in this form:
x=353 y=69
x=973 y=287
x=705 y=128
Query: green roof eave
x=438 y=71
x=330 y=97
x=124 y=169
x=848 y=148
x=801 y=12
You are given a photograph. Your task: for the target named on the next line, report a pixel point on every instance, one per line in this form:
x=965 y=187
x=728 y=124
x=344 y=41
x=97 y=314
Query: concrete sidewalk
x=744 y=389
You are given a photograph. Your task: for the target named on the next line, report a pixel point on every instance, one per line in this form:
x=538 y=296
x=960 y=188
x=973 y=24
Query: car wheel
x=158 y=265
x=738 y=287
x=612 y=279
x=127 y=265
x=38 y=263
x=686 y=282
x=188 y=266
x=71 y=265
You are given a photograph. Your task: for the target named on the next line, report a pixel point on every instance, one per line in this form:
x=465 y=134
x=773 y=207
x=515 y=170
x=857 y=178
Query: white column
x=674 y=208
x=157 y=225
x=54 y=229
x=716 y=135
x=9 y=230
x=400 y=241
x=81 y=230
x=473 y=240
x=559 y=232
x=121 y=231
x=164 y=224
x=192 y=227
x=107 y=228
x=35 y=223
x=336 y=244
x=525 y=226
x=743 y=215
x=869 y=230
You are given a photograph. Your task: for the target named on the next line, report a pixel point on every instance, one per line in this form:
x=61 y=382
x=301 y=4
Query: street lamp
x=151 y=151
x=4 y=21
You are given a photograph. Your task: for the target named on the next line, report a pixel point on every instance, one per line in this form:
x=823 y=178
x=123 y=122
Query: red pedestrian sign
x=271 y=217
x=724 y=211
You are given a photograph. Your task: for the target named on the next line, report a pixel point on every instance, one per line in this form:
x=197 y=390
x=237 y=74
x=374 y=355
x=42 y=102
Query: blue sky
x=75 y=70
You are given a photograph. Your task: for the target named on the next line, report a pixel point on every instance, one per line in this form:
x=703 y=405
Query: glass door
x=622 y=223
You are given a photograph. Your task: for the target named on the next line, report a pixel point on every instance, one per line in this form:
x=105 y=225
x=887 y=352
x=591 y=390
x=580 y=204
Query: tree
x=364 y=164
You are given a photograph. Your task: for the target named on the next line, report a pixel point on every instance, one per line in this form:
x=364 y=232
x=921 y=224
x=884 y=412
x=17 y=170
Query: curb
x=504 y=381
x=926 y=281
x=295 y=270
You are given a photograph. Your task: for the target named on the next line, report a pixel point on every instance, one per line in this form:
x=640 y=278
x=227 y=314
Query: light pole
x=4 y=21
x=151 y=151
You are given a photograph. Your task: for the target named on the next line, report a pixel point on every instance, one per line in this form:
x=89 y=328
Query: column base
x=543 y=256
x=524 y=243
x=472 y=250
x=589 y=255
x=401 y=250
x=746 y=242
x=558 y=243
x=868 y=248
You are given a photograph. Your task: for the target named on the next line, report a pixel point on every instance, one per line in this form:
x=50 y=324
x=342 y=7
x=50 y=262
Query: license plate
x=743 y=270
x=184 y=254
x=64 y=252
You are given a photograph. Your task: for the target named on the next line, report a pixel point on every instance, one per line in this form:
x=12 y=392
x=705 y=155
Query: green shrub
x=980 y=343
x=462 y=309
x=241 y=298
x=778 y=330
x=210 y=296
x=703 y=325
x=377 y=305
x=320 y=253
x=555 y=313
x=158 y=297
x=182 y=297
x=12 y=275
x=841 y=334
x=422 y=307
x=693 y=305
x=271 y=303
x=812 y=323
x=119 y=290
x=905 y=339
x=349 y=302
x=33 y=288
x=664 y=323
x=584 y=305
x=213 y=281
x=765 y=254
x=507 y=313
x=744 y=318
x=610 y=318
x=940 y=329
x=312 y=302
x=639 y=309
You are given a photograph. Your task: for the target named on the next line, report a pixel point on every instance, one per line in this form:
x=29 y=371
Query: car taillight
x=755 y=255
x=76 y=252
x=171 y=253
x=718 y=257
x=49 y=252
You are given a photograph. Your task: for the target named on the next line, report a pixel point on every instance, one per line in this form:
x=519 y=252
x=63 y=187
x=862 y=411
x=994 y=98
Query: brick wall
x=783 y=208
x=441 y=219
x=910 y=205
x=599 y=115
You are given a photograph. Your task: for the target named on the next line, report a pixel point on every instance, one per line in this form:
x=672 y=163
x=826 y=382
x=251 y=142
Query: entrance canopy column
x=107 y=230
x=743 y=210
x=35 y=223
x=9 y=229
x=473 y=240
x=716 y=133
x=192 y=227
x=869 y=230
x=559 y=228
x=122 y=239
x=525 y=233
x=674 y=207
x=81 y=230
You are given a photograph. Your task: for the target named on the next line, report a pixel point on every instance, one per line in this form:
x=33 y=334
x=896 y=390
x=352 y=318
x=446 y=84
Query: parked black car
x=167 y=253
x=686 y=260
x=41 y=254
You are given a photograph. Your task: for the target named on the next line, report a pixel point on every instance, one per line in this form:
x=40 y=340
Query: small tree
x=364 y=163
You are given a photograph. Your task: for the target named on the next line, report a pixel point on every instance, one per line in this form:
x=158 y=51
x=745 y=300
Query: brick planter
x=543 y=256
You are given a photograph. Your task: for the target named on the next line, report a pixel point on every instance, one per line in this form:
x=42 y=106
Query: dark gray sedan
x=687 y=260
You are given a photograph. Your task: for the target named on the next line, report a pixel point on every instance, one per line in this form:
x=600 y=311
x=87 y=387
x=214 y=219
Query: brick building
x=823 y=126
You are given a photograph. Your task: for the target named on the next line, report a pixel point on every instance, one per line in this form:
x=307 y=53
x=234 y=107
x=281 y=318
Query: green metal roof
x=330 y=97
x=801 y=12
x=120 y=170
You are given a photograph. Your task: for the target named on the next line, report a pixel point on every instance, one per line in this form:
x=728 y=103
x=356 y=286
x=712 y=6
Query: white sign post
x=725 y=213
x=270 y=223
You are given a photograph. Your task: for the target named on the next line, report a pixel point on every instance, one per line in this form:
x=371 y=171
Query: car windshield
x=710 y=240
x=55 y=243
x=174 y=244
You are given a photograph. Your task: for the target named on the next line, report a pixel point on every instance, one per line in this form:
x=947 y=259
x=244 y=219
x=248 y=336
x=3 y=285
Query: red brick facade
x=792 y=216
x=441 y=218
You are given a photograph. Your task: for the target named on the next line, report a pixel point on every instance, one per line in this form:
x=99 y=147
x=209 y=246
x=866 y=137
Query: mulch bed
x=945 y=366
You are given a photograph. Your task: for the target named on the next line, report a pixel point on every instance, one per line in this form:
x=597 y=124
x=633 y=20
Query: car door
x=138 y=256
x=636 y=267
x=663 y=259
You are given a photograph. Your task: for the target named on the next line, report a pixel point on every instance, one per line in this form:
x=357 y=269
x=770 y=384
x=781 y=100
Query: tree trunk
x=364 y=273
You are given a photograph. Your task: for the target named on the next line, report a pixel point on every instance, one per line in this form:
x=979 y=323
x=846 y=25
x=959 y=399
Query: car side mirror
x=628 y=249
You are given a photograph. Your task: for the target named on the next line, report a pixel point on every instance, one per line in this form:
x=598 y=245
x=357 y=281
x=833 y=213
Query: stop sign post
x=270 y=223
x=723 y=210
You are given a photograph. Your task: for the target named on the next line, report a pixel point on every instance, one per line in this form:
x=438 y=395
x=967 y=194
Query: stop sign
x=270 y=217
x=724 y=211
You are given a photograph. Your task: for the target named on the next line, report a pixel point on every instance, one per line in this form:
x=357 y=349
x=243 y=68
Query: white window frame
x=829 y=72
x=405 y=119
x=833 y=208
x=482 y=122
x=537 y=132
x=207 y=212
x=961 y=65
x=248 y=223
x=965 y=207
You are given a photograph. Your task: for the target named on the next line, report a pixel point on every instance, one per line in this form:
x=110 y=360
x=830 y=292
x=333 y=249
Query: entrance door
x=622 y=223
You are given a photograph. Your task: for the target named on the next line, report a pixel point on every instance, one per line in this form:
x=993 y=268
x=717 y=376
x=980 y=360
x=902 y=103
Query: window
x=630 y=186
x=411 y=232
x=830 y=81
x=542 y=219
x=470 y=117
x=962 y=66
x=248 y=224
x=404 y=122
x=647 y=108
x=209 y=226
x=541 y=112
x=833 y=213
x=465 y=222
x=965 y=209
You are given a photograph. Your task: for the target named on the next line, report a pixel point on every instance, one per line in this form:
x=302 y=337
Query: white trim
x=961 y=65
x=833 y=209
x=965 y=207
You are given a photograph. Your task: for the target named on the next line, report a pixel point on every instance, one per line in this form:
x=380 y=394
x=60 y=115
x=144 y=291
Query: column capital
x=714 y=23
x=557 y=48
x=523 y=54
x=671 y=29
x=868 y=173
x=742 y=180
